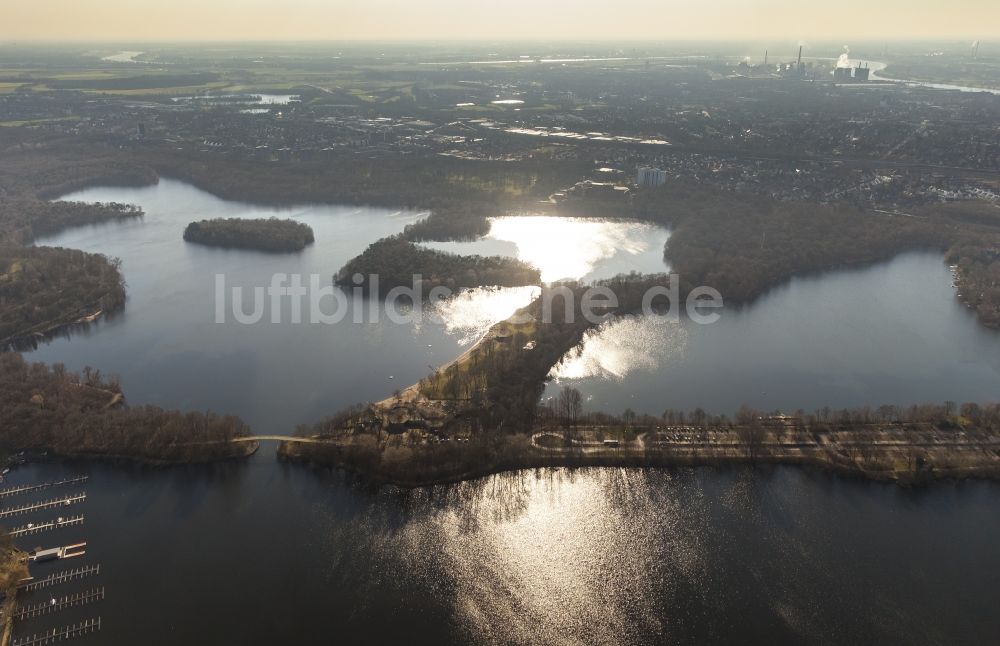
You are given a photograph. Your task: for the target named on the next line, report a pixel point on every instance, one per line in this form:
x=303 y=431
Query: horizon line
x=482 y=40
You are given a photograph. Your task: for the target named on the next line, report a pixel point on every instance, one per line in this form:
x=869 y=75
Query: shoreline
x=940 y=460
x=35 y=455
x=380 y=479
x=888 y=461
x=80 y=319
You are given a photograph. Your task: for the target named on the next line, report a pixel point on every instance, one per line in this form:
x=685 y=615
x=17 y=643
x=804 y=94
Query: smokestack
x=765 y=57
x=800 y=55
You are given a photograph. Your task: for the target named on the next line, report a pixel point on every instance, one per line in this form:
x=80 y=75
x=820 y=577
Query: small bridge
x=278 y=438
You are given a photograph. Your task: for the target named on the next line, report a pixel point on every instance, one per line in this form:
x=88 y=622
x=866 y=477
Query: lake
x=264 y=552
x=170 y=351
x=893 y=333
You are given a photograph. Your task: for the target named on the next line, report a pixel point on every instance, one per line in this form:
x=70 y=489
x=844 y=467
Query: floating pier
x=47 y=504
x=61 y=577
x=37 y=528
x=56 y=553
x=55 y=605
x=59 y=634
x=7 y=492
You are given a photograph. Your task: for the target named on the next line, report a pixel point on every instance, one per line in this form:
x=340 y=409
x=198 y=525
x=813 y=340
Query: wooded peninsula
x=48 y=409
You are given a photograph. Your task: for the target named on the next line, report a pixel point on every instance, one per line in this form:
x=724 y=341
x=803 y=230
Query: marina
x=61 y=577
x=39 y=506
x=54 y=604
x=57 y=553
x=37 y=528
x=27 y=609
x=25 y=489
x=59 y=634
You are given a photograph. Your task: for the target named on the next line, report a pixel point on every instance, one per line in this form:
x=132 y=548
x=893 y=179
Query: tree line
x=265 y=234
x=566 y=409
x=23 y=220
x=396 y=260
x=48 y=408
x=743 y=245
x=44 y=288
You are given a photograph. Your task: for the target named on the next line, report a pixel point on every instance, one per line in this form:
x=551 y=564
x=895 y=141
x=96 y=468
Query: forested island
x=266 y=234
x=396 y=260
x=50 y=409
x=445 y=225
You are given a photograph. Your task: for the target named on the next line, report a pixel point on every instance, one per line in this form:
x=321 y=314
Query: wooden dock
x=7 y=492
x=47 y=504
x=57 y=553
x=59 y=634
x=37 y=528
x=55 y=605
x=61 y=577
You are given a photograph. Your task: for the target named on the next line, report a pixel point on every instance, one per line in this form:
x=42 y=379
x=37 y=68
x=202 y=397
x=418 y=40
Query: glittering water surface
x=265 y=553
x=469 y=314
x=623 y=346
x=571 y=248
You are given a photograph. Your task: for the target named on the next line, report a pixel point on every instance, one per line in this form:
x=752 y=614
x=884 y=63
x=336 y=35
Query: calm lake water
x=265 y=553
x=169 y=350
x=889 y=334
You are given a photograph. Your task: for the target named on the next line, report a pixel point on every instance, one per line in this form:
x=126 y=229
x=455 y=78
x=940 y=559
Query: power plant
x=845 y=71
x=861 y=73
x=844 y=74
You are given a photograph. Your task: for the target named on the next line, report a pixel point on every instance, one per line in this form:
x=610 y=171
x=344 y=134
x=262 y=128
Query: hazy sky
x=136 y=20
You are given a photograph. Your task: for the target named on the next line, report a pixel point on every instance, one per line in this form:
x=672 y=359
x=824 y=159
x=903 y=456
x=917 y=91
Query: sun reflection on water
x=569 y=248
x=469 y=314
x=554 y=558
x=621 y=346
